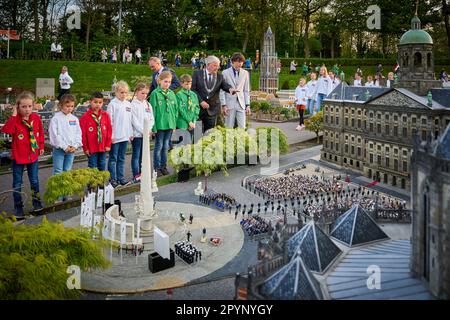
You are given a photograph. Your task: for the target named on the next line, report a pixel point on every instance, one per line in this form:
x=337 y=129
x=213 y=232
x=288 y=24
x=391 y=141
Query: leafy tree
x=34 y=259
x=315 y=124
x=73 y=182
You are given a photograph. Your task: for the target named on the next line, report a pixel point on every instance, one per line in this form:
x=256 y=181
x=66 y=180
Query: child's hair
x=299 y=80
x=122 y=84
x=64 y=68
x=164 y=75
x=185 y=78
x=24 y=95
x=66 y=98
x=96 y=95
x=369 y=78
x=141 y=86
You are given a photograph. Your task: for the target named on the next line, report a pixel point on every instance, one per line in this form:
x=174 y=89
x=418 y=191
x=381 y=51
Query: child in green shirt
x=165 y=111
x=189 y=110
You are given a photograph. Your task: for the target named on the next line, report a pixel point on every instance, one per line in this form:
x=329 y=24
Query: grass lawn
x=96 y=76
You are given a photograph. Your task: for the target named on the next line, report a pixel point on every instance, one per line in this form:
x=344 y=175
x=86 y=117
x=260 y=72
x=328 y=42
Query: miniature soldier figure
x=189 y=234
x=191 y=217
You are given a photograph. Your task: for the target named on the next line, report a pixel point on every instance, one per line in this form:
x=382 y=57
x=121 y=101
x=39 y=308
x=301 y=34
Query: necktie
x=33 y=142
x=209 y=81
x=99 y=127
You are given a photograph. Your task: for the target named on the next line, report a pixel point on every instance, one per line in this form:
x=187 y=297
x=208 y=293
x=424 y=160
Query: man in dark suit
x=157 y=68
x=207 y=84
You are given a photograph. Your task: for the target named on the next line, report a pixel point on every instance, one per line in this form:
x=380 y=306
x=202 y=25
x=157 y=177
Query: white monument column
x=148 y=212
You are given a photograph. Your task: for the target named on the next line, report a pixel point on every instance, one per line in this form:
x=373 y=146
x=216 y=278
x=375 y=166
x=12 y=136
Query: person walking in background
x=96 y=132
x=65 y=81
x=138 y=56
x=104 y=55
x=141 y=110
x=119 y=109
x=178 y=60
x=27 y=132
x=293 y=67
x=65 y=135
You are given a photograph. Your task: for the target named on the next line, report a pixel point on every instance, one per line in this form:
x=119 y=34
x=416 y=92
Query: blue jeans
x=116 y=163
x=97 y=160
x=161 y=148
x=32 y=170
x=320 y=97
x=310 y=106
x=136 y=157
x=62 y=161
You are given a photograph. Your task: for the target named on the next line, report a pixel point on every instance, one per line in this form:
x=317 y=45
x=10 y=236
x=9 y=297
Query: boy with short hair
x=189 y=110
x=96 y=132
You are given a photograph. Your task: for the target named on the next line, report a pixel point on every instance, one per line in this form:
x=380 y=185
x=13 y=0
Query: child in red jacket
x=27 y=133
x=96 y=133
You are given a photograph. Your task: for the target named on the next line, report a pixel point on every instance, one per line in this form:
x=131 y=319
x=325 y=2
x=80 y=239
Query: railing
x=392 y=215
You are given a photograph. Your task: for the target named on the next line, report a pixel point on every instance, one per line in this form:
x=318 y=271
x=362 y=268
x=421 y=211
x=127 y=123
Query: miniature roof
x=292 y=282
x=441 y=96
x=316 y=248
x=345 y=92
x=356 y=227
x=442 y=149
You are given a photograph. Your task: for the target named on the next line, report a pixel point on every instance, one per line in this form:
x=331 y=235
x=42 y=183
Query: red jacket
x=89 y=132
x=21 y=147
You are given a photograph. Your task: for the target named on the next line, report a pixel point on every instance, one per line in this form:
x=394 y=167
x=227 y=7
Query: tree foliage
x=34 y=259
x=74 y=182
x=315 y=124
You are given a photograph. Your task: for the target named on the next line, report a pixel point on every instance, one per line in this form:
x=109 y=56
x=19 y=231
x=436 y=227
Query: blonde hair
x=24 y=95
x=185 y=78
x=164 y=75
x=122 y=84
x=141 y=86
x=326 y=70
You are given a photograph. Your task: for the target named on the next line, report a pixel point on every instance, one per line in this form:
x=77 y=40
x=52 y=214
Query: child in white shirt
x=65 y=135
x=310 y=90
x=300 y=101
x=119 y=109
x=324 y=87
x=141 y=109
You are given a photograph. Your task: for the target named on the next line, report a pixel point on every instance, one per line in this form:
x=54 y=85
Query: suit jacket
x=175 y=83
x=213 y=97
x=241 y=83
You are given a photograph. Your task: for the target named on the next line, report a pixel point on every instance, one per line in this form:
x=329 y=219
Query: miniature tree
x=34 y=259
x=74 y=182
x=315 y=124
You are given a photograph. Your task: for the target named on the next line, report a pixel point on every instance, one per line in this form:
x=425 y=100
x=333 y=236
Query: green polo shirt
x=189 y=108
x=165 y=109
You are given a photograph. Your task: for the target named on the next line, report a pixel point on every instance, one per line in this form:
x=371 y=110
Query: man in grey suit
x=207 y=84
x=235 y=107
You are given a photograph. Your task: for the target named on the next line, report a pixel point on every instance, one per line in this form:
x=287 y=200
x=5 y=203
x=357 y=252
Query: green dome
x=416 y=36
